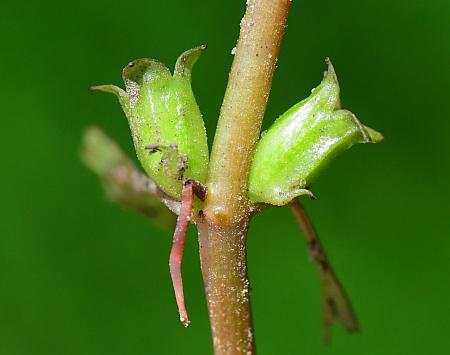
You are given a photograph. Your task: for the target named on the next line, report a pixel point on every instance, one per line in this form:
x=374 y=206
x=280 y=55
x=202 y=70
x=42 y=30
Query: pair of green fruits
x=171 y=142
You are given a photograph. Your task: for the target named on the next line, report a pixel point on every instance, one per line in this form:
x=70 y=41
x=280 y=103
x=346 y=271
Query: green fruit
x=301 y=143
x=166 y=124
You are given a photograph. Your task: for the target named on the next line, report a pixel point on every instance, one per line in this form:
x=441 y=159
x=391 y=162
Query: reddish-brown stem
x=223 y=224
x=224 y=268
x=176 y=254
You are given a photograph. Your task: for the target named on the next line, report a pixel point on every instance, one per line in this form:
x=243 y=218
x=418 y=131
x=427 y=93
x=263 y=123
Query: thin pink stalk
x=176 y=254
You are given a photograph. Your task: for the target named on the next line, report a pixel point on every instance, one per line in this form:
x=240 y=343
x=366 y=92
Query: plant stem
x=223 y=261
x=224 y=222
x=262 y=30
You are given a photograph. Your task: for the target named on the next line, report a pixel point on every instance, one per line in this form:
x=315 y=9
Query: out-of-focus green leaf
x=122 y=181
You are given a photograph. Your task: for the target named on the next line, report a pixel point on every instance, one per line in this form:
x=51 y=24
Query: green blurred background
x=79 y=275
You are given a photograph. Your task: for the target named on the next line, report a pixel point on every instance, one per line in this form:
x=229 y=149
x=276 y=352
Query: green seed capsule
x=301 y=143
x=166 y=124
